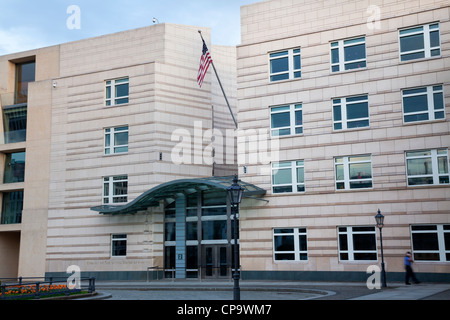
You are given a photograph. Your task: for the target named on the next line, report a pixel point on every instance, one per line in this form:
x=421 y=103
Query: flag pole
x=221 y=87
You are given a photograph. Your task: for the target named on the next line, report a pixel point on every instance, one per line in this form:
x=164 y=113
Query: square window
x=351 y=112
x=288 y=176
x=419 y=42
x=427 y=167
x=116 y=140
x=115 y=189
x=348 y=54
x=423 y=104
x=290 y=244
x=285 y=65
x=354 y=172
x=117 y=92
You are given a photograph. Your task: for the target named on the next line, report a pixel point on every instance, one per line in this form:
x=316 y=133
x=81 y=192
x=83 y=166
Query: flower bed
x=29 y=291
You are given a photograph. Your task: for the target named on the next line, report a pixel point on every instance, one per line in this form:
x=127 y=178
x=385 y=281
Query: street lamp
x=379 y=218
x=235 y=192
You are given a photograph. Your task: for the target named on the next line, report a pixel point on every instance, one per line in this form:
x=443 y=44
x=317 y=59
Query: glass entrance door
x=215 y=261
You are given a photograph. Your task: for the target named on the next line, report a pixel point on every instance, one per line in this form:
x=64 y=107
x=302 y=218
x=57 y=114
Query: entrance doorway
x=215 y=260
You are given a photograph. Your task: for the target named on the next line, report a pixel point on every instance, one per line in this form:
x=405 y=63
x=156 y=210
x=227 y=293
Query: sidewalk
x=267 y=290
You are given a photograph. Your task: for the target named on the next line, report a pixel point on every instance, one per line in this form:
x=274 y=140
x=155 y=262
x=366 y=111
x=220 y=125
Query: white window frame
x=296 y=232
x=114 y=100
x=343 y=103
x=293 y=166
x=292 y=109
x=291 y=54
x=430 y=91
x=346 y=162
x=426 y=38
x=340 y=45
x=110 y=181
x=111 y=133
x=349 y=232
x=434 y=155
x=440 y=231
x=113 y=240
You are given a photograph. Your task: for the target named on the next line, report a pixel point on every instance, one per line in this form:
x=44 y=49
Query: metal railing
x=203 y=272
x=40 y=287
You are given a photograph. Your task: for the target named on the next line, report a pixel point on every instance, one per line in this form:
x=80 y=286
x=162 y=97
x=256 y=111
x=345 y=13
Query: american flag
x=205 y=61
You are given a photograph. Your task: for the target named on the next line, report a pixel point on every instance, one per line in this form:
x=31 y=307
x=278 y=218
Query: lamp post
x=235 y=192
x=379 y=218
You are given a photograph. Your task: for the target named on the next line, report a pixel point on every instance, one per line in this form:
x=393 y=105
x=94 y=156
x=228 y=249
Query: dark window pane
x=355 y=52
x=438 y=99
x=122 y=90
x=419 y=181
x=279 y=77
x=278 y=231
x=280 y=120
x=357 y=110
x=360 y=184
x=15 y=124
x=413 y=42
x=169 y=231
x=343 y=244
x=365 y=256
x=434 y=39
x=297 y=62
x=335 y=56
x=302 y=243
x=425 y=241
x=426 y=256
x=214 y=230
x=355 y=65
x=357 y=124
x=12 y=207
x=14 y=167
x=191 y=257
x=337 y=116
x=284 y=243
x=284 y=256
x=298 y=118
x=279 y=65
x=214 y=198
x=25 y=73
x=417 y=117
x=364 y=242
x=415 y=103
x=412 y=56
x=191 y=230
x=419 y=166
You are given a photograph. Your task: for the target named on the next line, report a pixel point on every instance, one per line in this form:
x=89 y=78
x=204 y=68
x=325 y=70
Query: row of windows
x=349 y=54
x=423 y=167
x=358 y=243
x=418 y=104
x=355 y=243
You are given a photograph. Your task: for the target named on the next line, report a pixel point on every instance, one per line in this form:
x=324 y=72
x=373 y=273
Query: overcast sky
x=30 y=24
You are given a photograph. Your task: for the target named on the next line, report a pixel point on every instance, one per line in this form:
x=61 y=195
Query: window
x=15 y=123
x=422 y=104
x=288 y=176
x=285 y=65
x=431 y=242
x=12 y=206
x=286 y=120
x=118 y=245
x=115 y=189
x=14 y=167
x=25 y=73
x=117 y=91
x=357 y=243
x=427 y=167
x=354 y=172
x=351 y=112
x=116 y=140
x=419 y=42
x=348 y=54
x=290 y=244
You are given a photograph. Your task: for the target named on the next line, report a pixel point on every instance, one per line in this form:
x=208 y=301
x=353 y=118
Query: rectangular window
x=15 y=123
x=419 y=42
x=12 y=206
x=351 y=112
x=115 y=189
x=348 y=54
x=285 y=65
x=286 y=120
x=353 y=172
x=116 y=140
x=119 y=245
x=14 y=167
x=290 y=244
x=357 y=243
x=431 y=242
x=427 y=167
x=117 y=92
x=423 y=104
x=288 y=176
x=25 y=73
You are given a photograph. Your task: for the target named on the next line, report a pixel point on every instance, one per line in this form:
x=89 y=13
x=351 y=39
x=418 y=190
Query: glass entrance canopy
x=169 y=191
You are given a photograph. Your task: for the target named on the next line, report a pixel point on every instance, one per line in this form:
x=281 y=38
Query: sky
x=31 y=24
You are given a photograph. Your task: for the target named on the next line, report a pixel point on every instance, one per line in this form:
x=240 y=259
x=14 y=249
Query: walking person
x=408 y=268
